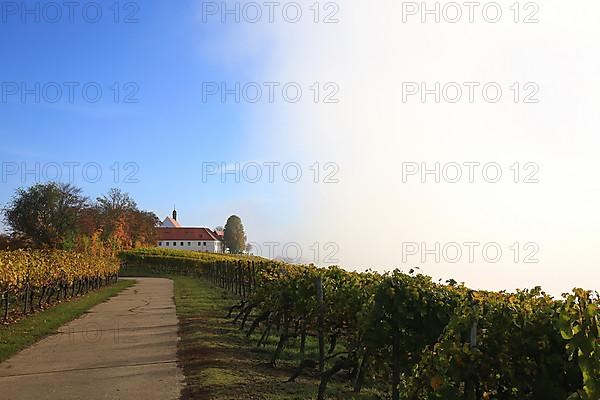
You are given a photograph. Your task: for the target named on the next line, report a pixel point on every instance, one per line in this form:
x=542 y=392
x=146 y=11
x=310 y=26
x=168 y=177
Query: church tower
x=174 y=214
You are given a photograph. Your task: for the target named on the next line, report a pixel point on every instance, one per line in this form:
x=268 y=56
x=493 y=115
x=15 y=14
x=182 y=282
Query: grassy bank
x=16 y=337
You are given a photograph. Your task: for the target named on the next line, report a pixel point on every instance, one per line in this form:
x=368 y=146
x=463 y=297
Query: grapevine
x=30 y=279
x=418 y=339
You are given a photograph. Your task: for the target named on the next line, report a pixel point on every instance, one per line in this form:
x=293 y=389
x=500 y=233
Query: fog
x=539 y=135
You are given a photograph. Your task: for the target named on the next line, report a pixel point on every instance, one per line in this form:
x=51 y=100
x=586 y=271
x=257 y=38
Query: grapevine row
x=419 y=339
x=34 y=278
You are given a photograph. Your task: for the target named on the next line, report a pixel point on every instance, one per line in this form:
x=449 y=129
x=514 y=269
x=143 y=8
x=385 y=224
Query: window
x=204 y=244
x=181 y=244
x=174 y=243
x=189 y=244
x=199 y=243
x=160 y=243
x=167 y=243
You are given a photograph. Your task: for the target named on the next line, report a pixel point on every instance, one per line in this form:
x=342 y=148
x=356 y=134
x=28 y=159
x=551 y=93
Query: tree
x=234 y=237
x=12 y=242
x=47 y=214
x=142 y=226
x=116 y=201
x=121 y=222
x=56 y=215
x=111 y=209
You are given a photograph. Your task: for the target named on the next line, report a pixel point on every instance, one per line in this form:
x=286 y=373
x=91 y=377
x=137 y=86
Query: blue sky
x=168 y=133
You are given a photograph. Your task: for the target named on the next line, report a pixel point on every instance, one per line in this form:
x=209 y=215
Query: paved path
x=123 y=349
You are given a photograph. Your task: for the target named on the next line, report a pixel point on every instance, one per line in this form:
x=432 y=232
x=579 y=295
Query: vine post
x=395 y=358
x=472 y=386
x=321 y=324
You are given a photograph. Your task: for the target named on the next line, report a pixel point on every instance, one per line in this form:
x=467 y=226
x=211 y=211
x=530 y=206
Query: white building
x=172 y=235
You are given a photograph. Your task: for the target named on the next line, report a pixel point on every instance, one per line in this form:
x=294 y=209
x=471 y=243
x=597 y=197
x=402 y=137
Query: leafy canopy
x=235 y=238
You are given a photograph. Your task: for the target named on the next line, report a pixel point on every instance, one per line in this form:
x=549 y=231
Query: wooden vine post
x=472 y=386
x=6 y=301
x=473 y=335
x=395 y=356
x=249 y=276
x=321 y=324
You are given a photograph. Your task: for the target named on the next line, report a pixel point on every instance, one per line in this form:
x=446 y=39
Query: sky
x=326 y=164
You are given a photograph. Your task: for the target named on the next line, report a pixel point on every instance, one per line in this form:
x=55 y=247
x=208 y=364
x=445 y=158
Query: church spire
x=174 y=213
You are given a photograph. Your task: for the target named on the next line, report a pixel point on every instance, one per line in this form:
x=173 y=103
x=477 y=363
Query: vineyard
x=420 y=339
x=33 y=279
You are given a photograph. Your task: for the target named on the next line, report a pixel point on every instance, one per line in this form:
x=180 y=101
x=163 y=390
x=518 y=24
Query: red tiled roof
x=166 y=234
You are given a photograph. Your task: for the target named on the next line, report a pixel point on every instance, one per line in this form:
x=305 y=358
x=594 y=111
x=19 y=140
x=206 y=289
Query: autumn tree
x=56 y=215
x=142 y=226
x=122 y=222
x=111 y=208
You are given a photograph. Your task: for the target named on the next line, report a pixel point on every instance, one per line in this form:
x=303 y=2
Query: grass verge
x=16 y=337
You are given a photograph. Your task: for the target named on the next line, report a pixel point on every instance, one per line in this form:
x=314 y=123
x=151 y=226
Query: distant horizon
x=182 y=215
